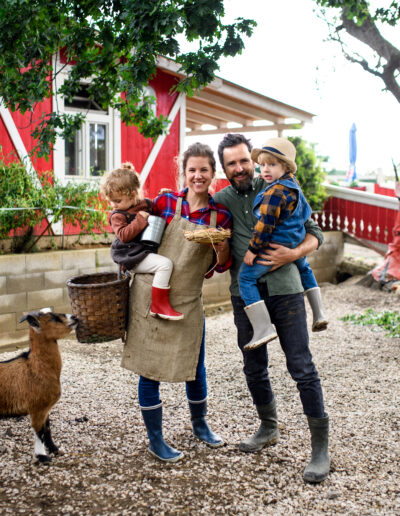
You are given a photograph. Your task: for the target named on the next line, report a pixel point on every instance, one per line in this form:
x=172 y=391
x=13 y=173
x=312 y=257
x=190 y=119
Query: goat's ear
x=32 y=320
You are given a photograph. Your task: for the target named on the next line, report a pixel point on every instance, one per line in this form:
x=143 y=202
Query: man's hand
x=277 y=256
x=249 y=257
x=164 y=191
x=280 y=255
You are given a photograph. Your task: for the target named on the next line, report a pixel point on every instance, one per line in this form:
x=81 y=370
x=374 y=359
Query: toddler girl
x=121 y=188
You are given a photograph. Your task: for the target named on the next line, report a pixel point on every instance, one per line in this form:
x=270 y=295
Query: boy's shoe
x=262 y=327
x=320 y=322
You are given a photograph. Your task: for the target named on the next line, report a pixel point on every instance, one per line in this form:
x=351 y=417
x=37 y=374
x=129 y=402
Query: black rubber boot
x=318 y=468
x=152 y=418
x=198 y=412
x=268 y=432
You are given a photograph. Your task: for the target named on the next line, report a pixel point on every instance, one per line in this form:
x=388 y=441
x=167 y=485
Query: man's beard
x=243 y=186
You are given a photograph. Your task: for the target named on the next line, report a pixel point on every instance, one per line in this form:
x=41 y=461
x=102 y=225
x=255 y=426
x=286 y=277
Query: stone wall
x=33 y=281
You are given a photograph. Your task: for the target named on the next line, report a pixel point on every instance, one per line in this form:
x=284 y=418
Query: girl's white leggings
x=158 y=265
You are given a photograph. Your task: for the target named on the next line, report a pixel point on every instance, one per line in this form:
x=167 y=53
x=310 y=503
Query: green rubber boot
x=318 y=468
x=268 y=432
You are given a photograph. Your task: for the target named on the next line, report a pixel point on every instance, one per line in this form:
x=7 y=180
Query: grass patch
x=387 y=320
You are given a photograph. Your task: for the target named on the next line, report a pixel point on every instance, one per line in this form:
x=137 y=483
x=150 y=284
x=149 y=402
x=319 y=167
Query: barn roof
x=224 y=106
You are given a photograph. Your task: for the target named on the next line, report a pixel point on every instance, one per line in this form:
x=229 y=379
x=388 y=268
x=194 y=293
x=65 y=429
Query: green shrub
x=310 y=173
x=76 y=204
x=389 y=321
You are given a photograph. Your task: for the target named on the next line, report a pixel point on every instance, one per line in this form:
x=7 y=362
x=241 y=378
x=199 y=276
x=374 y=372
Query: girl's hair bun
x=127 y=166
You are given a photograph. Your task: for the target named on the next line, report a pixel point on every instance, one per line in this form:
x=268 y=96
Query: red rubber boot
x=160 y=306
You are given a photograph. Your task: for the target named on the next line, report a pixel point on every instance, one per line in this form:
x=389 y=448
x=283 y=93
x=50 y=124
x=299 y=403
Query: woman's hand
x=249 y=257
x=223 y=251
x=144 y=214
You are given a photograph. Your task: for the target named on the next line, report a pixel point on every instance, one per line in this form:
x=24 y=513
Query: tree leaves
x=310 y=174
x=113 y=44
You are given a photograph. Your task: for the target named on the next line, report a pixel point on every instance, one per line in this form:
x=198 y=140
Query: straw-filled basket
x=207 y=235
x=100 y=301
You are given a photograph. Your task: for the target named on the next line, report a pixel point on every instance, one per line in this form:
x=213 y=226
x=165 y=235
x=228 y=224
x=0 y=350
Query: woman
x=159 y=350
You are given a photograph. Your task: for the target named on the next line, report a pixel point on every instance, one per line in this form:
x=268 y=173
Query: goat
x=30 y=382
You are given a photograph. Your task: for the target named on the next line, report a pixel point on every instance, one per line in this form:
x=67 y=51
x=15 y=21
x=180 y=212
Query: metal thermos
x=153 y=233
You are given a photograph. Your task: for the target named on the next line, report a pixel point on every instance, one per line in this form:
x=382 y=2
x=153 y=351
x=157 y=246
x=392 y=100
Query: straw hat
x=280 y=148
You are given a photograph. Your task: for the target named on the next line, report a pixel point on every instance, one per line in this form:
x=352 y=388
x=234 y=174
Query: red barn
x=103 y=142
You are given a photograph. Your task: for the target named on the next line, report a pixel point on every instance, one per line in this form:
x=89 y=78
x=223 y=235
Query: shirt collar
x=211 y=202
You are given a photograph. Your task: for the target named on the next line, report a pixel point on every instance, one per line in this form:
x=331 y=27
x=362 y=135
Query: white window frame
x=113 y=147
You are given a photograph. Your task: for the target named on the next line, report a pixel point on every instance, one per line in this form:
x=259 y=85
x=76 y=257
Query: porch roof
x=223 y=106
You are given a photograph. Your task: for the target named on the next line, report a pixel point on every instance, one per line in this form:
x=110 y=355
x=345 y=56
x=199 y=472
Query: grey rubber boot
x=268 y=432
x=318 y=468
x=320 y=322
x=262 y=327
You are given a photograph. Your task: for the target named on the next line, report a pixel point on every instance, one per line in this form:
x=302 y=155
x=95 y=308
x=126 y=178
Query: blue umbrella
x=352 y=173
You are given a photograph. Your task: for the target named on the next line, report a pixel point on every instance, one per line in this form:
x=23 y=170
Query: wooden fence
x=365 y=215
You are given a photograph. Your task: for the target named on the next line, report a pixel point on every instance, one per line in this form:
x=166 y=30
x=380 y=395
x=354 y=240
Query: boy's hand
x=144 y=214
x=164 y=191
x=249 y=257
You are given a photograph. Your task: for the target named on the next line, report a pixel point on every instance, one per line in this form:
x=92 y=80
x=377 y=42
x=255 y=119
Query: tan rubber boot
x=320 y=322
x=262 y=327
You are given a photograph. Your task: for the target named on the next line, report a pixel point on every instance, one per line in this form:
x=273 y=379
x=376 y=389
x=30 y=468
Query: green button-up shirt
x=283 y=281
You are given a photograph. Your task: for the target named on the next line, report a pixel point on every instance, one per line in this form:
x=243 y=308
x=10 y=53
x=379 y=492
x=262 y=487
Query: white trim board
x=18 y=143
x=179 y=102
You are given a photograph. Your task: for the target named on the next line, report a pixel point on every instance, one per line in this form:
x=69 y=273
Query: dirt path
x=105 y=468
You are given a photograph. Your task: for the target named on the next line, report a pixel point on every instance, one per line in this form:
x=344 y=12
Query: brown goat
x=30 y=382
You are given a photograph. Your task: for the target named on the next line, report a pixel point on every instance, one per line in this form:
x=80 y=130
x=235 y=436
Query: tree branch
x=369 y=34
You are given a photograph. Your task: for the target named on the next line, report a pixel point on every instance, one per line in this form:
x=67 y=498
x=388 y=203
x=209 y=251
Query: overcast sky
x=288 y=60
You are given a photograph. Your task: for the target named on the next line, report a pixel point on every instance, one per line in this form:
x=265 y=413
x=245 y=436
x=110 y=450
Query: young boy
x=281 y=210
x=121 y=188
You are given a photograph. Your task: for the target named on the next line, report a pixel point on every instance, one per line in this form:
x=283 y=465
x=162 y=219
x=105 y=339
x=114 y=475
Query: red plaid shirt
x=165 y=206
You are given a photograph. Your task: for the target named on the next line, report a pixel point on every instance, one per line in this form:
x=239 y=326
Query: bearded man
x=282 y=292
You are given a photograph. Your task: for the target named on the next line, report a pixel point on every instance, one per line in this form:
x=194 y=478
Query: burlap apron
x=163 y=350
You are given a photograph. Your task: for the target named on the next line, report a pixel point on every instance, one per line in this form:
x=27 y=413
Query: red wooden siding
x=136 y=149
x=24 y=127
x=384 y=191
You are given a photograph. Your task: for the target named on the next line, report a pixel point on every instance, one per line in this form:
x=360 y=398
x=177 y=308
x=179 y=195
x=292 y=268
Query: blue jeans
x=289 y=316
x=249 y=274
x=196 y=390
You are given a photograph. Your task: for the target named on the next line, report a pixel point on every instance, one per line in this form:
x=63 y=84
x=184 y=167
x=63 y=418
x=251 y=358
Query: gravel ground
x=105 y=468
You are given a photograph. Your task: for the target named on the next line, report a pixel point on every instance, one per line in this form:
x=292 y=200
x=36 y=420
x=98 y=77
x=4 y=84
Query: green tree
x=310 y=174
x=114 y=45
x=358 y=19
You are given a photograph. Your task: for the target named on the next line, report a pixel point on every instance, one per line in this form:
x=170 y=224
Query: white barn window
x=96 y=147
x=88 y=153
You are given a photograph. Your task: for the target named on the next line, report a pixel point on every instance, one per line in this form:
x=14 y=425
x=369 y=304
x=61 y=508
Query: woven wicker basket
x=100 y=301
